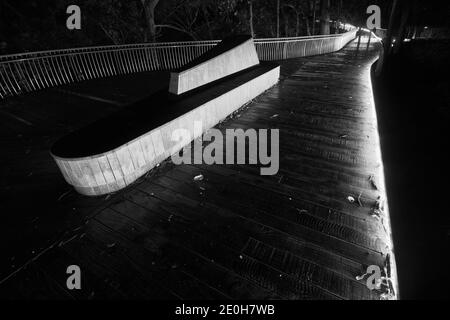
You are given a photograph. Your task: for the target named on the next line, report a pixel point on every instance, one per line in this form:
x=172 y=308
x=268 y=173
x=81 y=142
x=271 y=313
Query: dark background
x=32 y=25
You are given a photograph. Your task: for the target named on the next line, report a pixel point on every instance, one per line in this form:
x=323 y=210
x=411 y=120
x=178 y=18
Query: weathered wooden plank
x=233 y=230
x=169 y=255
x=269 y=278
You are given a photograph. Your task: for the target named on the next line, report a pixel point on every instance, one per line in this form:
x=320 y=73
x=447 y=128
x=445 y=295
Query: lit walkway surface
x=308 y=232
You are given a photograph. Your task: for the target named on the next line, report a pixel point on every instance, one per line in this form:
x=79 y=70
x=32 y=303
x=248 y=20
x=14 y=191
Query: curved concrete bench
x=112 y=153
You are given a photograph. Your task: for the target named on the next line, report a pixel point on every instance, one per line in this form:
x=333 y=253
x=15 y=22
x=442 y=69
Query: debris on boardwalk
x=199 y=177
x=63 y=195
x=111 y=245
x=359 y=199
x=378 y=208
x=373 y=182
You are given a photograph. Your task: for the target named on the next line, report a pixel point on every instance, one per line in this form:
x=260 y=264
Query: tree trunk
x=402 y=27
x=390 y=30
x=250 y=18
x=313 y=9
x=208 y=24
x=324 y=17
x=297 y=17
x=384 y=54
x=168 y=26
x=308 y=29
x=339 y=15
x=286 y=23
x=414 y=32
x=278 y=18
x=149 y=15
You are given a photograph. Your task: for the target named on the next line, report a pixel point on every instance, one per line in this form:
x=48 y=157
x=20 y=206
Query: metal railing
x=27 y=72
x=287 y=48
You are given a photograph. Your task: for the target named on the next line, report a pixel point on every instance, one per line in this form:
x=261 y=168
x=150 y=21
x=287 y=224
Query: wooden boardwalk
x=235 y=234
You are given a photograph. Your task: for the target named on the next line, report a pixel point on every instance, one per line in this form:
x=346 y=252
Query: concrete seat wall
x=114 y=170
x=238 y=58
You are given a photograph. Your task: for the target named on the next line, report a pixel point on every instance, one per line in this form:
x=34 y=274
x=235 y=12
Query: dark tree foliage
x=31 y=25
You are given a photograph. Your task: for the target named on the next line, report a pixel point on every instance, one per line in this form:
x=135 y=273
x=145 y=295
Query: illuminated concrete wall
x=237 y=58
x=111 y=171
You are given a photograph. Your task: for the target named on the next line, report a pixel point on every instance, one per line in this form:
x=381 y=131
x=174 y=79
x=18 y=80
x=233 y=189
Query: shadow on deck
x=235 y=234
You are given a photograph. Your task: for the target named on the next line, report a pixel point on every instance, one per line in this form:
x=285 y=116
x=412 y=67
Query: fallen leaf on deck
x=198 y=178
x=372 y=182
x=63 y=195
x=359 y=200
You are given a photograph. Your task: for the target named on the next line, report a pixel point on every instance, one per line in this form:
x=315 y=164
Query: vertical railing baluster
x=117 y=62
x=28 y=76
x=76 y=60
x=4 y=80
x=104 y=63
x=17 y=88
x=126 y=61
x=93 y=66
x=23 y=85
x=36 y=76
x=83 y=61
x=132 y=61
x=47 y=76
x=63 y=70
x=110 y=57
x=98 y=64
x=148 y=58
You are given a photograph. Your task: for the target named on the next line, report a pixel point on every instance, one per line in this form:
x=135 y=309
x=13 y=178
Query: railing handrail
x=64 y=52
x=12 y=56
x=299 y=38
x=61 y=52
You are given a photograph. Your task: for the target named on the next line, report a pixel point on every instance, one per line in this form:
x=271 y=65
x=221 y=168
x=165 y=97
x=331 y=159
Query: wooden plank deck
x=235 y=234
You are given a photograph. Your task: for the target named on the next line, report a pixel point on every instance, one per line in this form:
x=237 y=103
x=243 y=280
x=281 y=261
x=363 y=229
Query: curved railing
x=27 y=72
x=287 y=48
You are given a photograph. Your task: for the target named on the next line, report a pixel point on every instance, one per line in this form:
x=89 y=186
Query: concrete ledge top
x=231 y=55
x=139 y=118
x=225 y=45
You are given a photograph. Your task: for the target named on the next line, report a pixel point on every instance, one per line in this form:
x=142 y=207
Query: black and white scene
x=224 y=155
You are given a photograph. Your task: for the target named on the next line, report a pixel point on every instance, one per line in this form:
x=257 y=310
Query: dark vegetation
x=30 y=25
